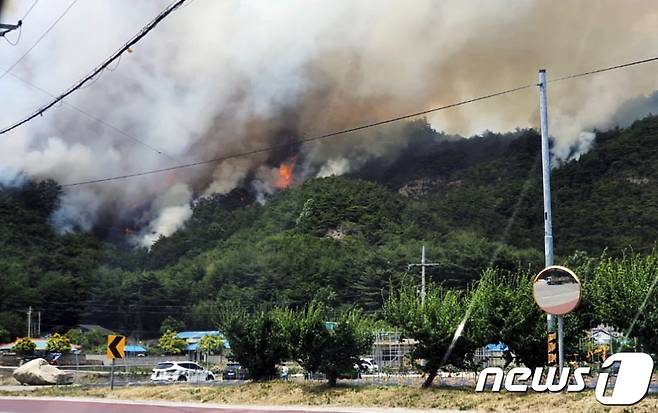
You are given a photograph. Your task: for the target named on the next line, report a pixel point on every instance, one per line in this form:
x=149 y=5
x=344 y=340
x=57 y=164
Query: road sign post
x=115 y=350
x=112 y=376
x=552 y=349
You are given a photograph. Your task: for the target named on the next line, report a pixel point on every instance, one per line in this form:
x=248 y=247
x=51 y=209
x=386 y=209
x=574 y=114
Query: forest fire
x=286 y=169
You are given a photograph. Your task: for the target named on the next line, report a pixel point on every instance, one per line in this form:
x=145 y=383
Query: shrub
x=258 y=340
x=24 y=345
x=170 y=344
x=211 y=344
x=58 y=343
x=332 y=349
x=433 y=324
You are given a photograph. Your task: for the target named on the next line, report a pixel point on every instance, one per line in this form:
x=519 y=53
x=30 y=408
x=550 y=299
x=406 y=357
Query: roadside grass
x=345 y=395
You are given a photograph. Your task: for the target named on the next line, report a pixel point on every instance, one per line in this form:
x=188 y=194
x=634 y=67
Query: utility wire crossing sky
x=306 y=140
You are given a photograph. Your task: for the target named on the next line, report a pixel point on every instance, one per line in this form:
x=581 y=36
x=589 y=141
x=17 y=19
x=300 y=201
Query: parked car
x=181 y=371
x=234 y=371
x=367 y=365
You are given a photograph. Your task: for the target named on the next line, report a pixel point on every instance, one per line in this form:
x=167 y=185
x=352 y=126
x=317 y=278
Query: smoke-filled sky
x=223 y=76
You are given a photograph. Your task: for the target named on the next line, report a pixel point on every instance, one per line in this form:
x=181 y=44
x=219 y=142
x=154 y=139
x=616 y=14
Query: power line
x=18 y=38
x=30 y=9
x=302 y=141
x=366 y=126
x=143 y=32
x=39 y=39
x=605 y=69
x=93 y=117
x=20 y=26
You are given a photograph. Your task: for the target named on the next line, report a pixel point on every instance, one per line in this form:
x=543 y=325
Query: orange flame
x=285 y=173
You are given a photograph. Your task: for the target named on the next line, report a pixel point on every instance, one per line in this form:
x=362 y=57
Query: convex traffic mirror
x=556 y=290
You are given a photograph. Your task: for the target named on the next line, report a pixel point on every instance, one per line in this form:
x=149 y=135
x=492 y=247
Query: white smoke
x=334 y=167
x=228 y=175
x=582 y=145
x=172 y=209
x=168 y=221
x=218 y=78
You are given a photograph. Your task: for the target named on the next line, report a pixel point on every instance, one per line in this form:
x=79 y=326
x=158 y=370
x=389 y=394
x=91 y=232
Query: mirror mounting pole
x=546 y=179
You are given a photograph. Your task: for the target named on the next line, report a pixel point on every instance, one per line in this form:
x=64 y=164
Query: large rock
x=39 y=372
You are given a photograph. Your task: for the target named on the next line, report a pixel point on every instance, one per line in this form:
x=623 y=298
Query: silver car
x=181 y=371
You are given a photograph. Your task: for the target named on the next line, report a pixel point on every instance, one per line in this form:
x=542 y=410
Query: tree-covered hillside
x=474 y=203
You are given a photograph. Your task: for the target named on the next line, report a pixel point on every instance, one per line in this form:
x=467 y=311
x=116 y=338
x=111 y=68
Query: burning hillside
x=286 y=170
x=215 y=80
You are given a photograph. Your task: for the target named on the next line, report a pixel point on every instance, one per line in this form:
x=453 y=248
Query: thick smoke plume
x=217 y=77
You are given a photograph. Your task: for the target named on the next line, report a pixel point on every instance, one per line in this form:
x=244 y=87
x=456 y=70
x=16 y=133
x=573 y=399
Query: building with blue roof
x=134 y=350
x=493 y=355
x=193 y=337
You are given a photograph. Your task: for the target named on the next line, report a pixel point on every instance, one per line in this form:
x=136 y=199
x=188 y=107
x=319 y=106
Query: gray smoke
x=217 y=78
x=633 y=109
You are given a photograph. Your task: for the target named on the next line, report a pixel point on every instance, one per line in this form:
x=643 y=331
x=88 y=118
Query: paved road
x=557 y=299
x=58 y=405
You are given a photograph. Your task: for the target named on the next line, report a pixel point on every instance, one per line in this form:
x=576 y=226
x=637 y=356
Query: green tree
x=329 y=348
x=622 y=293
x=258 y=341
x=5 y=335
x=171 y=324
x=504 y=310
x=24 y=345
x=58 y=343
x=433 y=324
x=11 y=321
x=211 y=344
x=170 y=344
x=90 y=341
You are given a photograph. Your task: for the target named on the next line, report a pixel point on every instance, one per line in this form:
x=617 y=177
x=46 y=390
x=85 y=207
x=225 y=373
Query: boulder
x=39 y=372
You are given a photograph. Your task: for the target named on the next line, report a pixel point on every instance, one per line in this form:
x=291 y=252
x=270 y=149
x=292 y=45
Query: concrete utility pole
x=548 y=220
x=29 y=322
x=422 y=265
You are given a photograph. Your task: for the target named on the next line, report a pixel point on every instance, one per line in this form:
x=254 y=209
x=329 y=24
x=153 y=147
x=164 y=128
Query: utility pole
x=548 y=220
x=29 y=322
x=422 y=275
x=422 y=265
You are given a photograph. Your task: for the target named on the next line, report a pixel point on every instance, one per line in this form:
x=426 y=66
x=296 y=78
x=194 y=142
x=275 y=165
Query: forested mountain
x=473 y=202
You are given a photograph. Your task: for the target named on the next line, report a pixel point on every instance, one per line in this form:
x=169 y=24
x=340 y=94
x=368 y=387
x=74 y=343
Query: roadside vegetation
x=449 y=325
x=318 y=395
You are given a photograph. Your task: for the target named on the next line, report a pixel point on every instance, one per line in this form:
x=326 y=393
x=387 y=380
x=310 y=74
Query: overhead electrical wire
x=301 y=141
x=143 y=32
x=20 y=28
x=18 y=37
x=43 y=35
x=605 y=69
x=27 y=13
x=306 y=140
x=93 y=117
